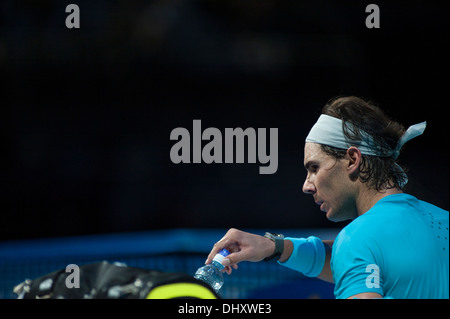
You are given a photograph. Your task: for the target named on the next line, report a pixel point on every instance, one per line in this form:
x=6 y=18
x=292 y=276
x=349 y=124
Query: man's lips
x=320 y=203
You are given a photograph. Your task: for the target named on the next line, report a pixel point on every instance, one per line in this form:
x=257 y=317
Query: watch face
x=274 y=236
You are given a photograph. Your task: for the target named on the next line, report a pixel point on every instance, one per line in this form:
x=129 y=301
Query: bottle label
x=221 y=256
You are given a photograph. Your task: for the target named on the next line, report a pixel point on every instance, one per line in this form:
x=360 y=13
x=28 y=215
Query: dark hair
x=378 y=172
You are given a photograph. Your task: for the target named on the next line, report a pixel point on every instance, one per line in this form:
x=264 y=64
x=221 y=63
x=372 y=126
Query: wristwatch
x=278 y=239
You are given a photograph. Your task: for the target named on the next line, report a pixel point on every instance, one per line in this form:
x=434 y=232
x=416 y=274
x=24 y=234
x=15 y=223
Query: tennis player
x=396 y=246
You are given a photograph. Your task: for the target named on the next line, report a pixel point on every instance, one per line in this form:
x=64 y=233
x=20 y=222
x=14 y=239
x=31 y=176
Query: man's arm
x=250 y=247
x=326 y=273
x=366 y=295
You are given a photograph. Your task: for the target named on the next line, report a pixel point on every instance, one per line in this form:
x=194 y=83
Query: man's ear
x=353 y=157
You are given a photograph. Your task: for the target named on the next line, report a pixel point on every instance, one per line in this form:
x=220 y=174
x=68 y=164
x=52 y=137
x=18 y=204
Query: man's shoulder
x=390 y=218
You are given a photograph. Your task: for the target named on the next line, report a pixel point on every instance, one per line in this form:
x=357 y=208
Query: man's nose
x=308 y=187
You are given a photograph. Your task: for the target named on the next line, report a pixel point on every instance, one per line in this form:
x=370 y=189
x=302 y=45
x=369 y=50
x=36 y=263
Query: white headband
x=328 y=131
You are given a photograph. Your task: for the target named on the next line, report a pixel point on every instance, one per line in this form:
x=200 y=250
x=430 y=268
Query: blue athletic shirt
x=398 y=249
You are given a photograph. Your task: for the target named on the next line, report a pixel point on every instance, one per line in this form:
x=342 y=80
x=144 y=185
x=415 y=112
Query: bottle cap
x=220 y=256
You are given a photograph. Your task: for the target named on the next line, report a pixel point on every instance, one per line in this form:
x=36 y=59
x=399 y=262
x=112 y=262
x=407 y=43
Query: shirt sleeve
x=355 y=269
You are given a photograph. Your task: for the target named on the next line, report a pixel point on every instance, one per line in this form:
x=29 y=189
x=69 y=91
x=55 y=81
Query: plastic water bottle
x=211 y=273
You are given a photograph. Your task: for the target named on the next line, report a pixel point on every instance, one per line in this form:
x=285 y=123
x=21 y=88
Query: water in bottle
x=211 y=273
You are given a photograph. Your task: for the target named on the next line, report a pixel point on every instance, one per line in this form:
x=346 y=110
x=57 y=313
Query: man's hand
x=243 y=247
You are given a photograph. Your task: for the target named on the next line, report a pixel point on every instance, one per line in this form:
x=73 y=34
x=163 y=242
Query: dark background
x=87 y=113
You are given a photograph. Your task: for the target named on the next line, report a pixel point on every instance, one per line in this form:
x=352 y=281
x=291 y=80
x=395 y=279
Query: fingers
x=243 y=247
x=234 y=258
x=228 y=241
x=221 y=244
x=228 y=269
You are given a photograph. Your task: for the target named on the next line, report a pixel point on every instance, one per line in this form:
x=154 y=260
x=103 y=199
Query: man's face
x=329 y=184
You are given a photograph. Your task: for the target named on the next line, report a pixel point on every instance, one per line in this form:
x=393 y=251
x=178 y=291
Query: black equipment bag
x=104 y=280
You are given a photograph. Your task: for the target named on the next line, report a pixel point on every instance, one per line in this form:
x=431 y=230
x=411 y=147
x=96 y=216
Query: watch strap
x=279 y=246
